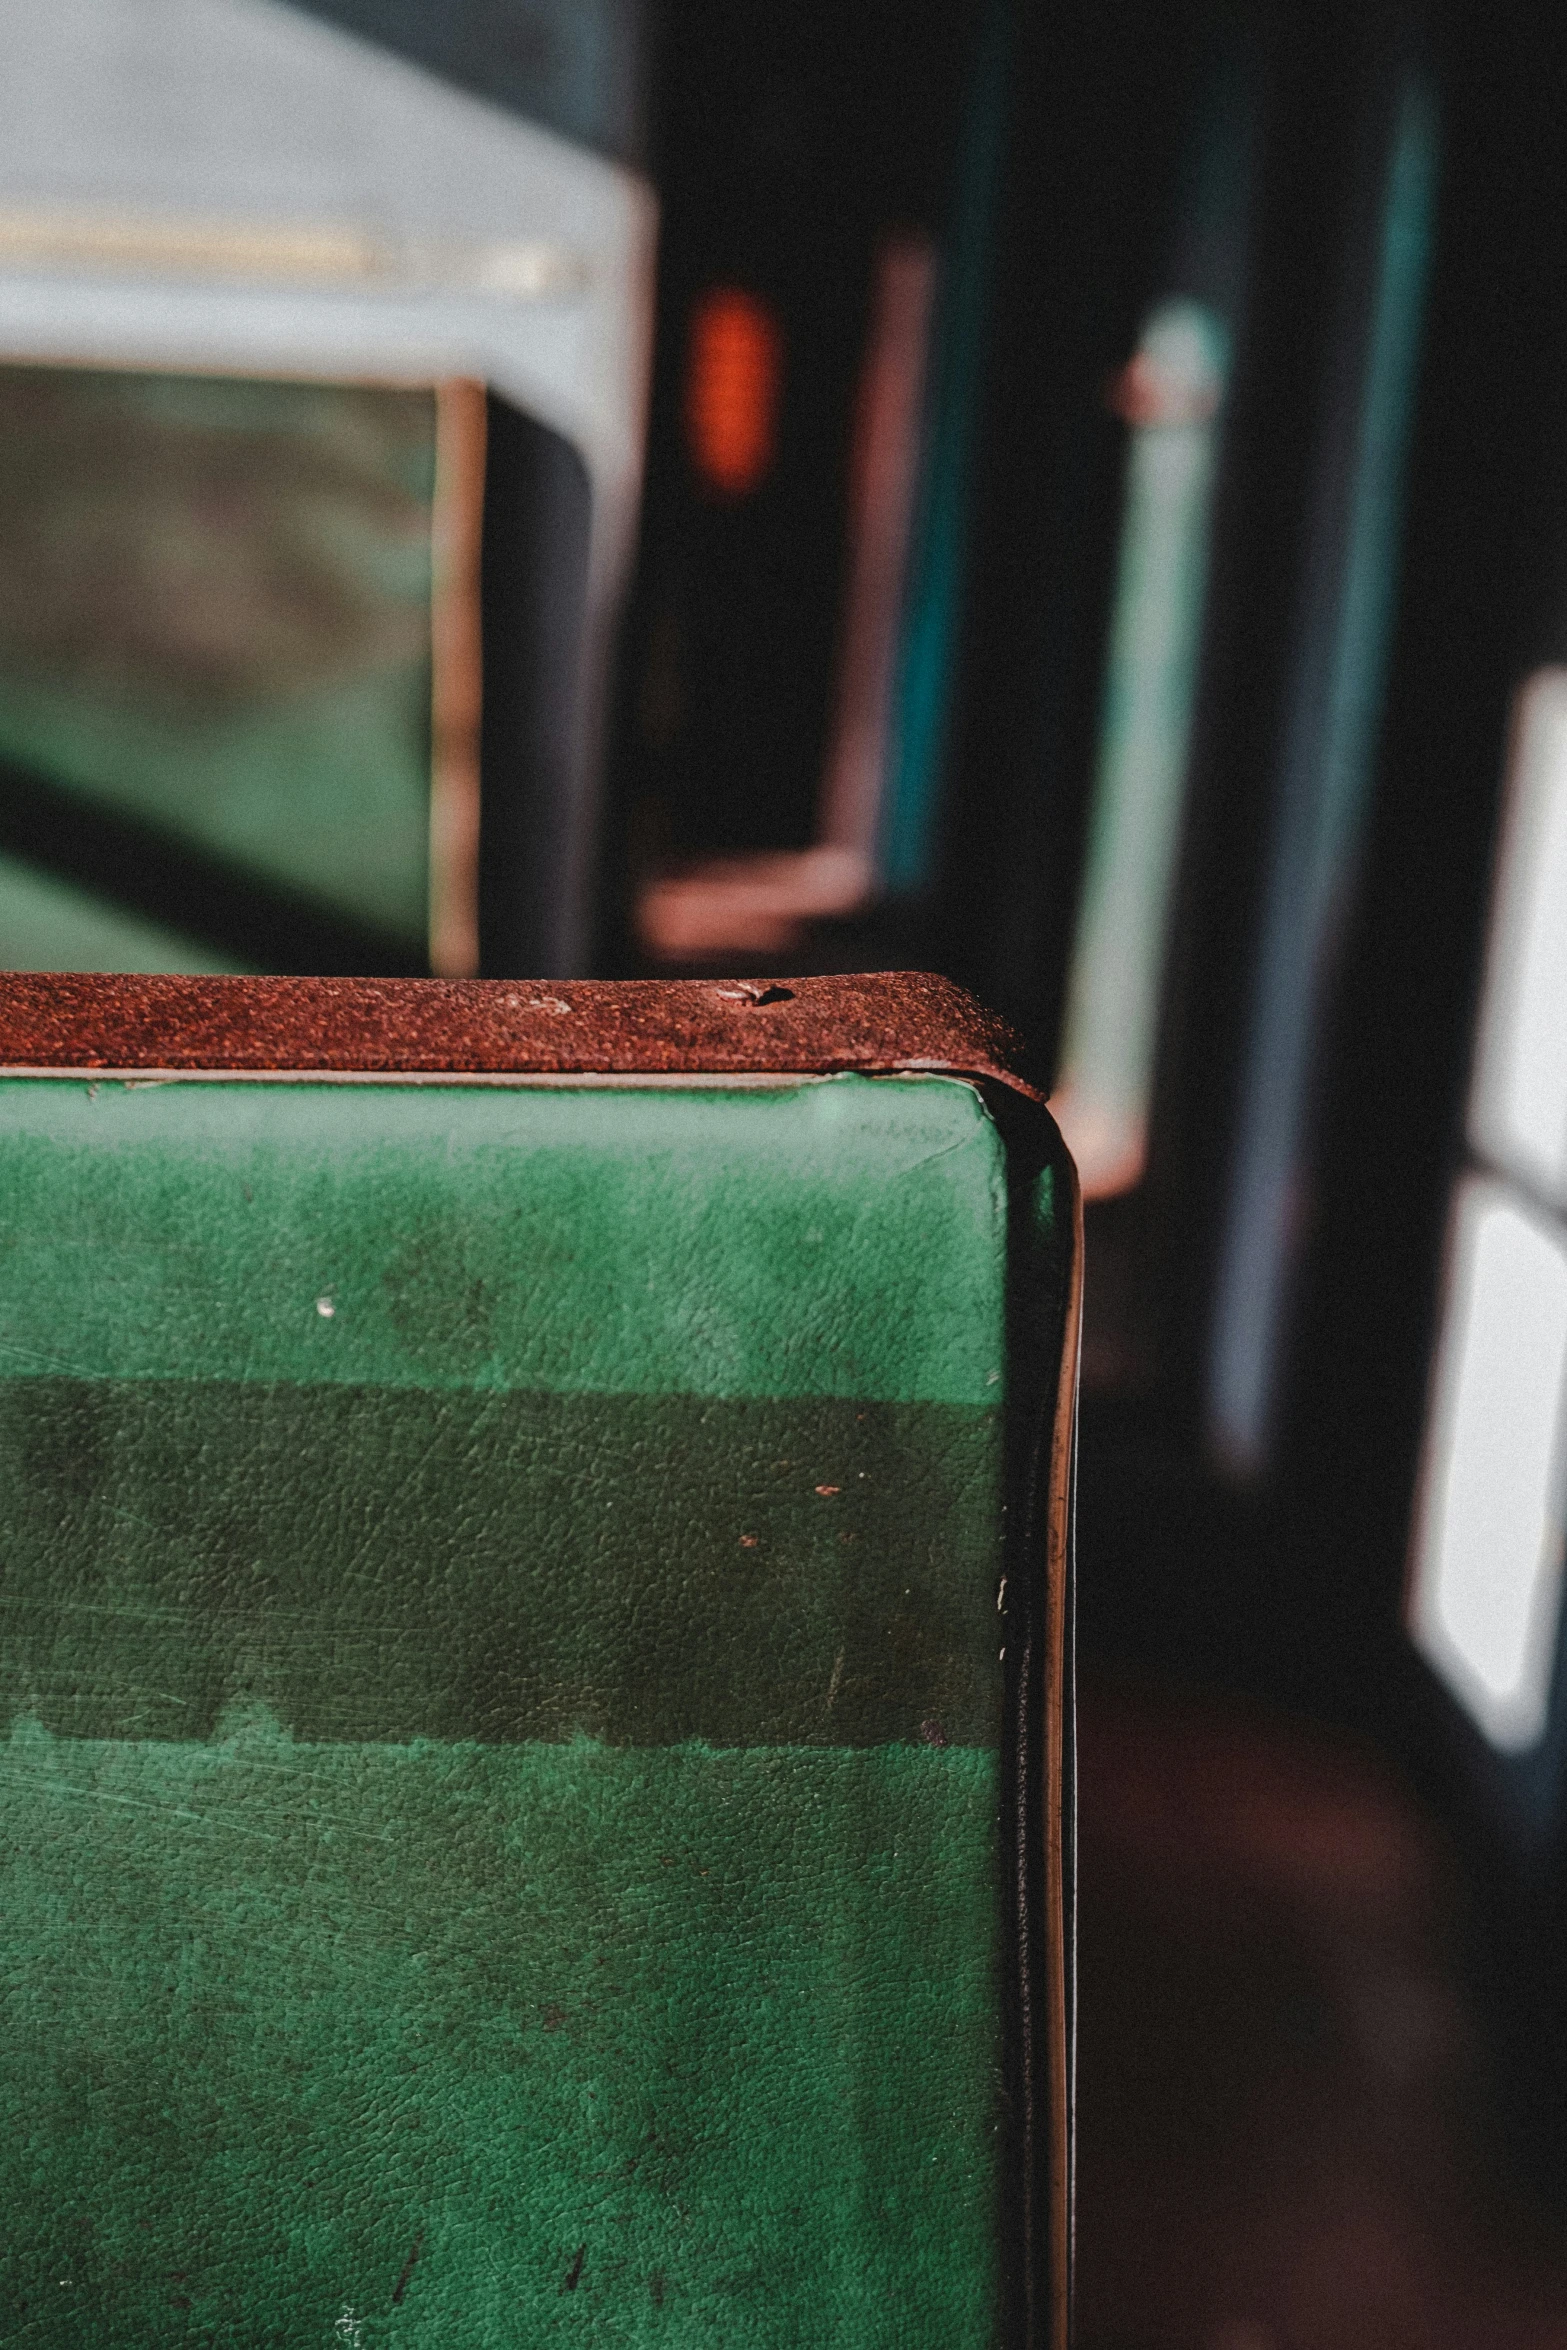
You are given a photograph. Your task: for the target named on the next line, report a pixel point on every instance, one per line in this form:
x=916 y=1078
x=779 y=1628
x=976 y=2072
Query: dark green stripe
x=713 y=2035
x=395 y=1563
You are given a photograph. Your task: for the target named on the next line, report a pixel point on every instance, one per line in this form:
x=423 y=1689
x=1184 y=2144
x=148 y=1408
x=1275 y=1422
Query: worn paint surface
x=498 y=1638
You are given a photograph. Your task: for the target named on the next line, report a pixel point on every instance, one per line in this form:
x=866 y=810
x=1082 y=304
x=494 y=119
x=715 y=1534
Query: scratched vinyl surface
x=499 y=1829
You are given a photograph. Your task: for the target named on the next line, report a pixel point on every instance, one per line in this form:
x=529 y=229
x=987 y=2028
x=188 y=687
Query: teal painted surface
x=840 y=1238
x=713 y=2033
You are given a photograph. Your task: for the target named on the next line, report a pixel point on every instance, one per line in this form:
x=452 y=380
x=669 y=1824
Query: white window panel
x=1486 y=1587
x=1518 y=1117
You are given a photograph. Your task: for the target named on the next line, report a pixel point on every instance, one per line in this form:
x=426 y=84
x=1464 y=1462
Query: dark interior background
x=1323 y=2085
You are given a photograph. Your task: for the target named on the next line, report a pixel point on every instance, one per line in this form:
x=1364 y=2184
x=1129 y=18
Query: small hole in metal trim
x=756 y=995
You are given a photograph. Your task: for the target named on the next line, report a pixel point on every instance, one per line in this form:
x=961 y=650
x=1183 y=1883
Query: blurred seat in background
x=322 y=364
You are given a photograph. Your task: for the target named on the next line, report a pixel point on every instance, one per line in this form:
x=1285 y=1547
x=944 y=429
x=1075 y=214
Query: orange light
x=732 y=382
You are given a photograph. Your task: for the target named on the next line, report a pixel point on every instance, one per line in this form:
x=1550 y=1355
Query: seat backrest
x=534 y=1619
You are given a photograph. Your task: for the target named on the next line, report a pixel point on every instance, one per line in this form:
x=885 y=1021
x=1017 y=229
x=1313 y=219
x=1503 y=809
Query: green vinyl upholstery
x=503 y=1817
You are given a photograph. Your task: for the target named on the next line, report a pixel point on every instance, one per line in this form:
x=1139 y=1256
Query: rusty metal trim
x=879 y=1023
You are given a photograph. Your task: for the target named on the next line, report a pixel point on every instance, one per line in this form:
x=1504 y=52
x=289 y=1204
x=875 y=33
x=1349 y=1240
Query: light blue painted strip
x=923 y=695
x=1328 y=764
x=1112 y=1014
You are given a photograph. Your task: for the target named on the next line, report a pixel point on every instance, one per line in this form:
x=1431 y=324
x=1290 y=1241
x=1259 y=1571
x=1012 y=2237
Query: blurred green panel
x=50 y=925
x=215 y=618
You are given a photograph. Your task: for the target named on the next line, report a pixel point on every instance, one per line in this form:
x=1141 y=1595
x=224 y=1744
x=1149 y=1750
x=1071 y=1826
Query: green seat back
x=524 y=1703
